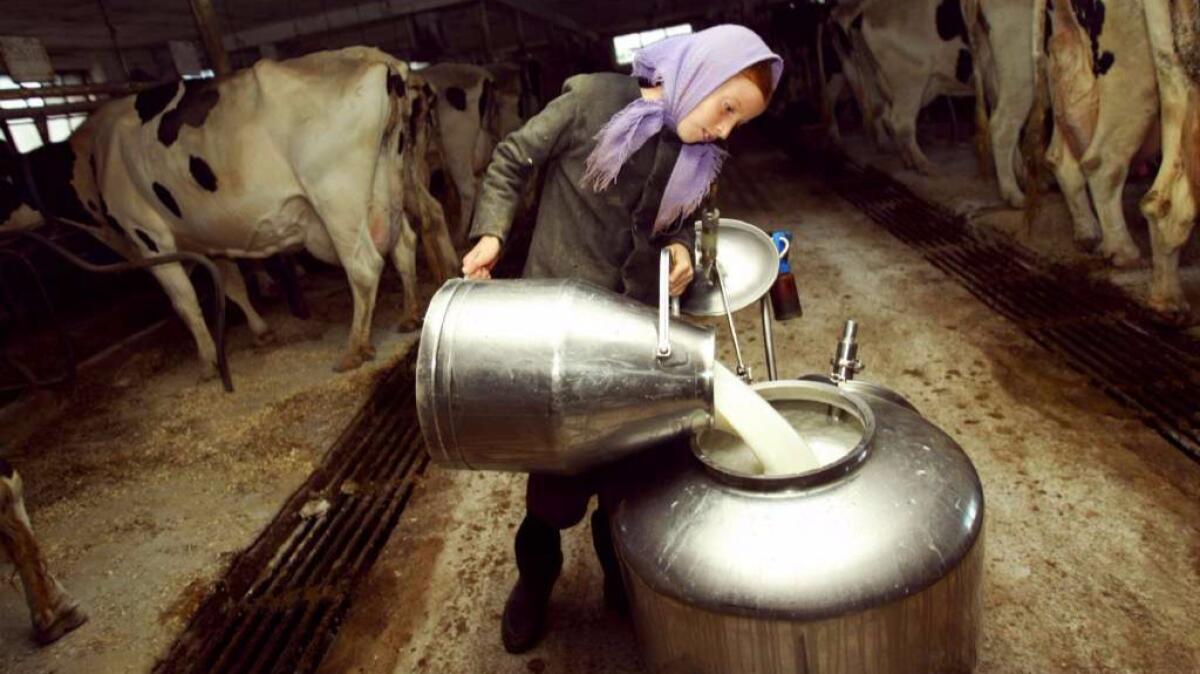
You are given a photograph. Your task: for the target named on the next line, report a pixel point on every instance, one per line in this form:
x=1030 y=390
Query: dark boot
x=539 y=560
x=614 y=586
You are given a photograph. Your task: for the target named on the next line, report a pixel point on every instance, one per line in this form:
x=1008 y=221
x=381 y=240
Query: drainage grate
x=1093 y=326
x=279 y=606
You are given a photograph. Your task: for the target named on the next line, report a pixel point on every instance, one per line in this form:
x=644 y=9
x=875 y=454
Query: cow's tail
x=1035 y=146
x=400 y=99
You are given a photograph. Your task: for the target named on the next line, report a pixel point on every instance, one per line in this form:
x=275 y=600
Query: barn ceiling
x=80 y=25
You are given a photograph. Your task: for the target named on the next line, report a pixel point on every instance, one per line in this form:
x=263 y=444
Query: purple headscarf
x=689 y=68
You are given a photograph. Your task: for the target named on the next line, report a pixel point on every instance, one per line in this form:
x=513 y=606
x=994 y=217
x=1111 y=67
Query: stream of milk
x=741 y=411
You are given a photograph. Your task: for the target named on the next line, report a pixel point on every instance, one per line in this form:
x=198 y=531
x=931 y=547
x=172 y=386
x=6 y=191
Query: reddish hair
x=761 y=75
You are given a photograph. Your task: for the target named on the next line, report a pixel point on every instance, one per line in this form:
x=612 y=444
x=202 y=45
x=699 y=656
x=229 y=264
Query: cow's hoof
x=265 y=338
x=65 y=622
x=210 y=372
x=368 y=352
x=1124 y=259
x=351 y=360
x=1087 y=244
x=409 y=325
x=1175 y=315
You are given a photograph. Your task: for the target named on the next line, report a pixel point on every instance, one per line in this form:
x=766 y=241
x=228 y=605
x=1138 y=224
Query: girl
x=627 y=160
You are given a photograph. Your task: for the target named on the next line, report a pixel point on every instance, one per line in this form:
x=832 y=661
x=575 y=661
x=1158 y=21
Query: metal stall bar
x=219 y=287
x=31 y=379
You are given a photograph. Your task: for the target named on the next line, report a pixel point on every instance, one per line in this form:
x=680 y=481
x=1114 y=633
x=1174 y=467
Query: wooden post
x=206 y=23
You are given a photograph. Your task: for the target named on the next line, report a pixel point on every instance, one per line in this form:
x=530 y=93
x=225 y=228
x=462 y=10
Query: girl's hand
x=681 y=269
x=478 y=263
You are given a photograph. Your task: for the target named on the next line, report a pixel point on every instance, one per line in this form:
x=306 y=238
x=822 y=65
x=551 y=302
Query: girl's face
x=732 y=104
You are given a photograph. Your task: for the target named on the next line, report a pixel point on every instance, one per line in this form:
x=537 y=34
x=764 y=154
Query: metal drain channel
x=279 y=605
x=1093 y=326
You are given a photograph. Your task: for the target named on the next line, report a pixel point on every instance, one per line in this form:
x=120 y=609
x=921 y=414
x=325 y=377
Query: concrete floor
x=1093 y=520
x=143 y=481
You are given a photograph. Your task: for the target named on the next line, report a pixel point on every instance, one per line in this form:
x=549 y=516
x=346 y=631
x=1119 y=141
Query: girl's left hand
x=681 y=269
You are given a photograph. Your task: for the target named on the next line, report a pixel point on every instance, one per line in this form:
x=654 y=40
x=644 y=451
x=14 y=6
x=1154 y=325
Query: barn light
x=624 y=46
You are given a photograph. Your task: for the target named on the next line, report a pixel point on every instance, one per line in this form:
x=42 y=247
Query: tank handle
x=667 y=306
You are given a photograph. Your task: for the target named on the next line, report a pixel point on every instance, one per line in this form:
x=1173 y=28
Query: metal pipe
x=65 y=90
x=49 y=110
x=206 y=24
x=742 y=370
x=485 y=28
x=64 y=340
x=112 y=36
x=768 y=338
x=218 y=285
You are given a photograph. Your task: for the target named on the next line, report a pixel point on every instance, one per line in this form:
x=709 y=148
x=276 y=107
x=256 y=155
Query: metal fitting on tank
x=845 y=360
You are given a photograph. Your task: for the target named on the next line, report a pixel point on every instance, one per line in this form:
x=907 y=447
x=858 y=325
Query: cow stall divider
x=9 y=305
x=202 y=261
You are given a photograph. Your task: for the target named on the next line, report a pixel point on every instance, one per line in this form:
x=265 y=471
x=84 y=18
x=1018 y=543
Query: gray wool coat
x=602 y=237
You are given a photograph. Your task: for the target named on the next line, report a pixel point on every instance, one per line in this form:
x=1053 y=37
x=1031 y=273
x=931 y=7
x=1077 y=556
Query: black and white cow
x=1001 y=37
x=1119 y=91
x=913 y=51
x=424 y=155
x=1171 y=206
x=1104 y=97
x=304 y=153
x=53 y=612
x=843 y=75
x=473 y=115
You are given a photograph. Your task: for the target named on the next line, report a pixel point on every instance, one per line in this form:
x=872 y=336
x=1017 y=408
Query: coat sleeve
x=514 y=161
x=639 y=273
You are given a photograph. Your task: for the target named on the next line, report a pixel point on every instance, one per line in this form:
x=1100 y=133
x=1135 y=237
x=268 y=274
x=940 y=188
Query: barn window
x=25 y=132
x=625 y=45
x=202 y=75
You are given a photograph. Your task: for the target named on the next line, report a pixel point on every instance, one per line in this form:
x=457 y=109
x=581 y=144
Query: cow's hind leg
x=235 y=290
x=1106 y=173
x=53 y=612
x=363 y=265
x=901 y=119
x=435 y=232
x=1074 y=189
x=404 y=256
x=1005 y=130
x=183 y=297
x=1170 y=205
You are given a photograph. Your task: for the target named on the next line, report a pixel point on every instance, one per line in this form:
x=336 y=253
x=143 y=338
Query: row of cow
x=1119 y=78
x=332 y=152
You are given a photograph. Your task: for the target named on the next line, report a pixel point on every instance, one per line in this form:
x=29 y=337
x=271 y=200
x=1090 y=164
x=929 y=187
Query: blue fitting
x=783 y=239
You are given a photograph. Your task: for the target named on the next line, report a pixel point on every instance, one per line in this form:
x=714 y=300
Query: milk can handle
x=663 y=351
